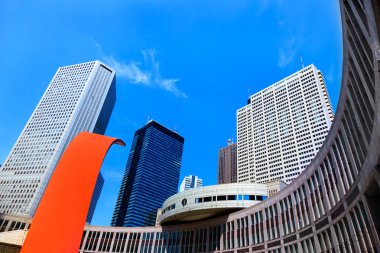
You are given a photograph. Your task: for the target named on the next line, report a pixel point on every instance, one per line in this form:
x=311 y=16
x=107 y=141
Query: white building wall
x=187 y=182
x=71 y=104
x=208 y=198
x=282 y=128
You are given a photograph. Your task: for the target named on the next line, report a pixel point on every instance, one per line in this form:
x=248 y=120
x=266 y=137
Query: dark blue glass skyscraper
x=150 y=177
x=95 y=197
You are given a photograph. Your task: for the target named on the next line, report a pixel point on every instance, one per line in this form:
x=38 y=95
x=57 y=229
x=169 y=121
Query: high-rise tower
x=190 y=182
x=151 y=175
x=282 y=127
x=79 y=98
x=95 y=197
x=227 y=164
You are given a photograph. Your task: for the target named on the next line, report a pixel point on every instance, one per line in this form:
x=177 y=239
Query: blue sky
x=187 y=64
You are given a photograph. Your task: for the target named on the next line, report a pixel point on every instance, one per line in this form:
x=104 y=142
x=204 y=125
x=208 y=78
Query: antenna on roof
x=303 y=66
x=148 y=118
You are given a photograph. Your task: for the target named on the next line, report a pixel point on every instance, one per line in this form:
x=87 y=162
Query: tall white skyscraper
x=79 y=98
x=190 y=182
x=282 y=128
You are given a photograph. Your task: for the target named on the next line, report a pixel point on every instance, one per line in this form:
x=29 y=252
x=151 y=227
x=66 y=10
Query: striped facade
x=331 y=207
x=79 y=98
x=282 y=128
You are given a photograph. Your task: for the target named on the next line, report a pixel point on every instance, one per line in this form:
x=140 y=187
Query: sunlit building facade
x=79 y=98
x=190 y=182
x=282 y=128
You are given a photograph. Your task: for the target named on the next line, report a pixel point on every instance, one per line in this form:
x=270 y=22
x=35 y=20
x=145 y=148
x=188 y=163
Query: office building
x=227 y=164
x=190 y=182
x=282 y=128
x=151 y=175
x=95 y=197
x=332 y=207
x=79 y=98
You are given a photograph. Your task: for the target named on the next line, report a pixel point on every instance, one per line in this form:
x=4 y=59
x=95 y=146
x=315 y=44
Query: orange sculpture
x=60 y=218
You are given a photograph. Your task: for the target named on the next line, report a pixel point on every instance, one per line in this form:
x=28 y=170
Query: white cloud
x=264 y=5
x=122 y=119
x=147 y=74
x=329 y=77
x=130 y=71
x=168 y=84
x=287 y=52
x=112 y=174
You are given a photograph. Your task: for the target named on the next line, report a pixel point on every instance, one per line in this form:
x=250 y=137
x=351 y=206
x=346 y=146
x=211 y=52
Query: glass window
x=220 y=198
x=231 y=197
x=207 y=199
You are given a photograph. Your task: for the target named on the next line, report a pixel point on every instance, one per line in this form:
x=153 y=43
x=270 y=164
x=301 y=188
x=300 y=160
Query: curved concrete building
x=333 y=206
x=211 y=201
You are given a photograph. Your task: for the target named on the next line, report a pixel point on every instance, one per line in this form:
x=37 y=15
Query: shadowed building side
x=151 y=175
x=95 y=197
x=227 y=164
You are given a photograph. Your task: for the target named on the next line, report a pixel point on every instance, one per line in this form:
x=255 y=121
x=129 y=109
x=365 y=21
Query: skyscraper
x=151 y=175
x=95 y=197
x=282 y=127
x=190 y=182
x=227 y=165
x=79 y=98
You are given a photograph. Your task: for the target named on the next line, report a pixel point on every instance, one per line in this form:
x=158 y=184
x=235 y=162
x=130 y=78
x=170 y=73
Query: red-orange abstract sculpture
x=61 y=216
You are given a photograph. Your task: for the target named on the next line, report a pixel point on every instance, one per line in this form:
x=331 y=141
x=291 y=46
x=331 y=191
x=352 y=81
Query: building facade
x=151 y=175
x=190 y=182
x=227 y=164
x=331 y=207
x=79 y=98
x=283 y=127
x=95 y=197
